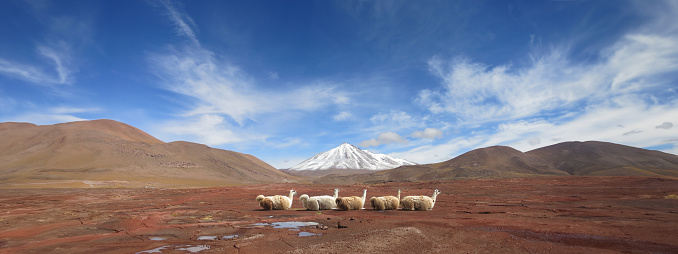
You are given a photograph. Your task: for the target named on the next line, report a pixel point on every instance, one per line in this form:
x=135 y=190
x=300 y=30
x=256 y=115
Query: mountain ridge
x=591 y=158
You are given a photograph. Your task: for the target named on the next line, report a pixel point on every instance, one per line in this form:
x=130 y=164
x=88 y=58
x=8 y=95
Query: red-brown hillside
x=107 y=152
x=602 y=158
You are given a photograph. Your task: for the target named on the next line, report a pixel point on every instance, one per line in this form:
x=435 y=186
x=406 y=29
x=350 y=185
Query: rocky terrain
x=571 y=214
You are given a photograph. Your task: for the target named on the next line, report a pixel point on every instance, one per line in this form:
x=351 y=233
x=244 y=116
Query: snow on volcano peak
x=347 y=156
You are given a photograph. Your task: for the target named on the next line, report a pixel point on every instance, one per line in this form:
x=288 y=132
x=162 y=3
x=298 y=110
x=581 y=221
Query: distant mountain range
x=110 y=153
x=347 y=156
x=591 y=158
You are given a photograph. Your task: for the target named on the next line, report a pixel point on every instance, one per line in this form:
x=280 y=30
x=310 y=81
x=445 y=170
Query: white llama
x=419 y=203
x=277 y=202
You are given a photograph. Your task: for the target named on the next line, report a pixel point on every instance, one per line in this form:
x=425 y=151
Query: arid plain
x=106 y=187
x=517 y=215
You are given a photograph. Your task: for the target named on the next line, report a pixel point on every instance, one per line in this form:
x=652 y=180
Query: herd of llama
x=317 y=203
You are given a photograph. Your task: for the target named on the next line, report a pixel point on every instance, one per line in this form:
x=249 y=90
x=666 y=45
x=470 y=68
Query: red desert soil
x=519 y=215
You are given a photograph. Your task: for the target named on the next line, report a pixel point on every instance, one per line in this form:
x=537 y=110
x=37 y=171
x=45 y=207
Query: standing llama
x=419 y=203
x=352 y=203
x=385 y=202
x=318 y=203
x=277 y=202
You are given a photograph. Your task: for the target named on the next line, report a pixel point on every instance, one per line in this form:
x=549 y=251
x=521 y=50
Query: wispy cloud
x=209 y=129
x=478 y=92
x=217 y=87
x=218 y=91
x=54 y=63
x=72 y=110
x=341 y=116
x=183 y=23
x=58 y=58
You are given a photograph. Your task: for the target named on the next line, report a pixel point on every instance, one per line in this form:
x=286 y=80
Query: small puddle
x=294 y=224
x=305 y=234
x=157 y=238
x=229 y=237
x=195 y=248
x=259 y=225
x=174 y=248
x=207 y=237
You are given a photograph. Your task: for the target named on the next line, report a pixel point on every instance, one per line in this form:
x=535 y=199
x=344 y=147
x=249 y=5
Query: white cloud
x=341 y=116
x=477 y=92
x=384 y=139
x=58 y=57
x=42 y=118
x=619 y=98
x=216 y=91
x=183 y=23
x=46 y=116
x=206 y=129
x=428 y=133
x=71 y=110
x=665 y=125
x=438 y=153
x=394 y=121
x=597 y=123
x=60 y=60
x=393 y=117
x=217 y=87
x=600 y=122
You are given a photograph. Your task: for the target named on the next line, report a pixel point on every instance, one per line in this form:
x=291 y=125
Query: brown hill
x=495 y=161
x=608 y=159
x=570 y=158
x=106 y=152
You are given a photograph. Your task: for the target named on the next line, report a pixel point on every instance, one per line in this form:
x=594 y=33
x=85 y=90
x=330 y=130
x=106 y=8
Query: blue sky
x=284 y=80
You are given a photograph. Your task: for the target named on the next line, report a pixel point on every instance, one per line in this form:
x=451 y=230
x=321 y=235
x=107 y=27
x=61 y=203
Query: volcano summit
x=347 y=156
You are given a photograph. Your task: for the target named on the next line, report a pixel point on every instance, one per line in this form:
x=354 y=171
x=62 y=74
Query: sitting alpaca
x=277 y=202
x=419 y=203
x=385 y=202
x=352 y=203
x=318 y=203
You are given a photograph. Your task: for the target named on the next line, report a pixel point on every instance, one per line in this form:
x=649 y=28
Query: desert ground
x=513 y=215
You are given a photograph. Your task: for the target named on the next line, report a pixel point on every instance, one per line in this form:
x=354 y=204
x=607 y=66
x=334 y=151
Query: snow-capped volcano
x=347 y=156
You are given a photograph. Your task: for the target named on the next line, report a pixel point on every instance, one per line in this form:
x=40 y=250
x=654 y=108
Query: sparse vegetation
x=671 y=196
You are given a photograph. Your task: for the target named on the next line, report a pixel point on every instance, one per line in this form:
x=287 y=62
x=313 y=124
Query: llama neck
x=336 y=193
x=398 y=194
x=435 y=194
x=364 y=197
x=291 y=196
